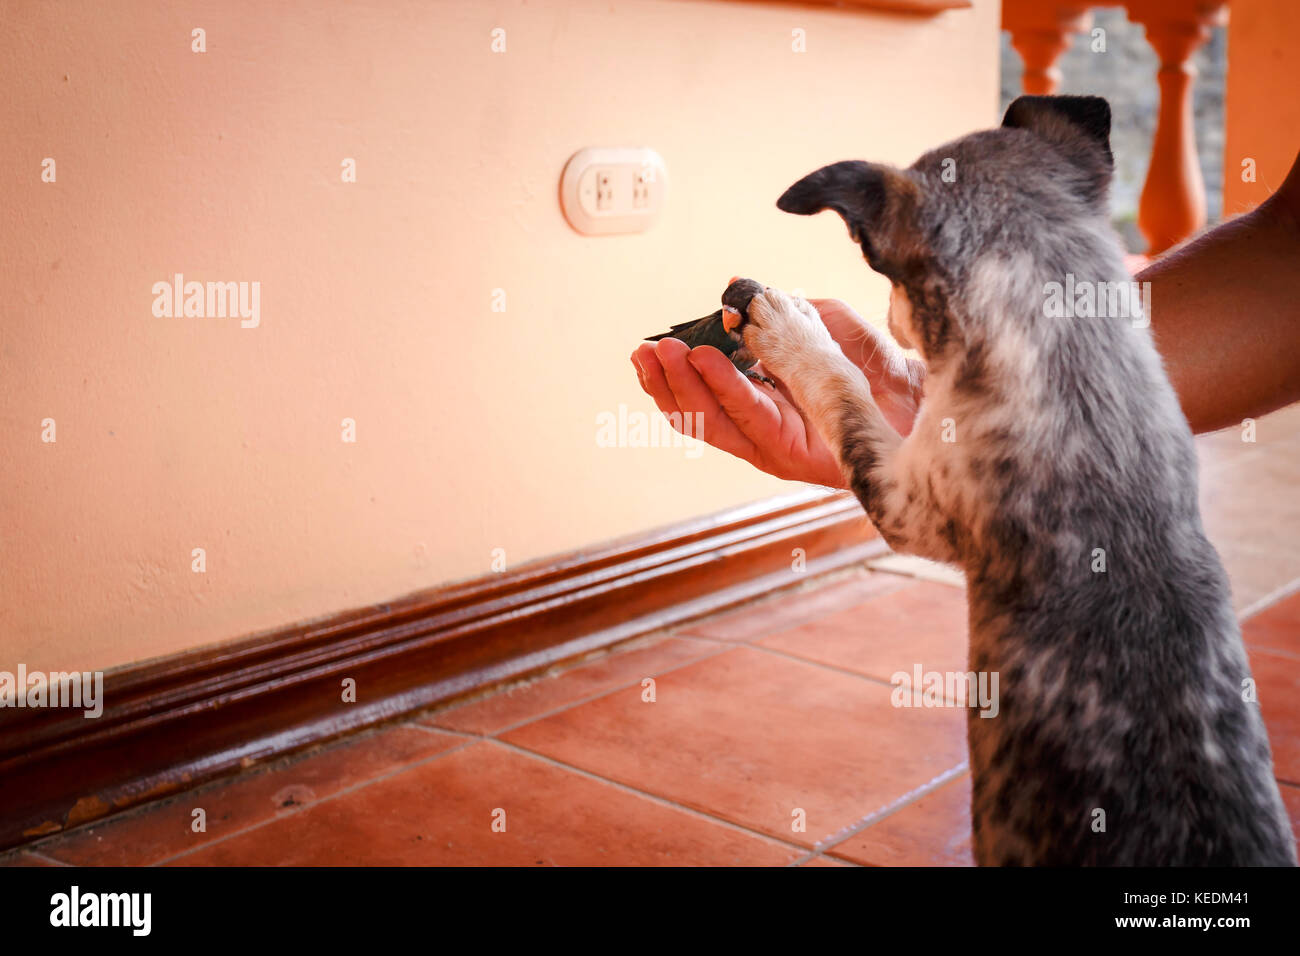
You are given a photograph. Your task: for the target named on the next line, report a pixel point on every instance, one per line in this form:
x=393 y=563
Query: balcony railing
x=1172 y=205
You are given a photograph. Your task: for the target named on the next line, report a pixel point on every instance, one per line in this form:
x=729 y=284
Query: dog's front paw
x=783 y=330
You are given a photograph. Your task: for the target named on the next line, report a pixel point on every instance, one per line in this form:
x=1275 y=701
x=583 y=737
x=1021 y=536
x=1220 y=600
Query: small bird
x=721 y=329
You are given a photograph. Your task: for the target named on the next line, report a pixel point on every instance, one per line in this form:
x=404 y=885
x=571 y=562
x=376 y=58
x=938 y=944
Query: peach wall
x=1262 y=110
x=475 y=429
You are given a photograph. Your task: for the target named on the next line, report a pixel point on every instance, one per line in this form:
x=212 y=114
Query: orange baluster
x=1172 y=205
x=1040 y=32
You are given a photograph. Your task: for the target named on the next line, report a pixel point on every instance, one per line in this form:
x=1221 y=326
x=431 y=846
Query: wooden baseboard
x=172 y=724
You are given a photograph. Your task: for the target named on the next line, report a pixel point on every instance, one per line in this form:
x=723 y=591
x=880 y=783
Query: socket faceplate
x=607 y=190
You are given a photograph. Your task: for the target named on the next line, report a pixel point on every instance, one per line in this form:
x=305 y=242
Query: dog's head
x=1036 y=187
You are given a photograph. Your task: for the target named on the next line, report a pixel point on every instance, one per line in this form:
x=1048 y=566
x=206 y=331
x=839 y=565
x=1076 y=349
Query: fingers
x=753 y=423
x=830 y=308
x=866 y=346
x=784 y=445
x=750 y=408
x=693 y=394
x=653 y=381
x=688 y=389
x=876 y=353
x=849 y=330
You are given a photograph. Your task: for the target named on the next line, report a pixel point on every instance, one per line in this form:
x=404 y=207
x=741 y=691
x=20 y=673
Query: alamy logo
x=56 y=689
x=946 y=689
x=74 y=908
x=636 y=429
x=1084 y=299
x=208 y=300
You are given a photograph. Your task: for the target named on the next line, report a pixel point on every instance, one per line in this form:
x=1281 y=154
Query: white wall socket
x=613 y=189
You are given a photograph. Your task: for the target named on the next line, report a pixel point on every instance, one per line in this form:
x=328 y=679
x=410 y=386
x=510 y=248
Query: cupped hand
x=763 y=425
x=896 y=381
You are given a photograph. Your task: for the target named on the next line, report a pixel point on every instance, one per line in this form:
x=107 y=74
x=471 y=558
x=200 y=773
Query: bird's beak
x=731 y=319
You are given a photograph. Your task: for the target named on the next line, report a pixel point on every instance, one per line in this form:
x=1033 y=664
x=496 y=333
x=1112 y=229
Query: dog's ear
x=868 y=196
x=1080 y=124
x=1043 y=115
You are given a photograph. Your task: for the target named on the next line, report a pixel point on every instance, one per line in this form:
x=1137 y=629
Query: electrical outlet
x=604 y=190
x=610 y=190
x=641 y=187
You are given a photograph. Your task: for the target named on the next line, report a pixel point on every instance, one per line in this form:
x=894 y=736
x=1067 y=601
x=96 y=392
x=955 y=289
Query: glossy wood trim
x=922 y=7
x=174 y=723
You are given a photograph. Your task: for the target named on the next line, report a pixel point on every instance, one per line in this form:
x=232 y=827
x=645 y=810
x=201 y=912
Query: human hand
x=896 y=381
x=762 y=425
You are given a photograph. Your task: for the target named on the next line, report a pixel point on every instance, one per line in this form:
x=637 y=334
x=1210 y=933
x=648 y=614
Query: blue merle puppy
x=1051 y=461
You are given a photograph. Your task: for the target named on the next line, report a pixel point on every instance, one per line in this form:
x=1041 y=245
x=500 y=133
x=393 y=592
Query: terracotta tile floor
x=763 y=736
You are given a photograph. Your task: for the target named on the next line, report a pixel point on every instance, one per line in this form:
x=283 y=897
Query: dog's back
x=1051 y=460
x=1127 y=730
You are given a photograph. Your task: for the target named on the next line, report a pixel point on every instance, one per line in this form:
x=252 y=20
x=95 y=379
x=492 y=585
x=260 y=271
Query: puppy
x=1050 y=460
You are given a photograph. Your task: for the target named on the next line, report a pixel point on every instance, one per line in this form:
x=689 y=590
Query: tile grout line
x=903 y=581
x=1254 y=648
x=873 y=817
x=818 y=850
x=653 y=797
x=820 y=664
x=760 y=601
x=201 y=792
x=556 y=670
x=948 y=701
x=584 y=700
x=706 y=640
x=1276 y=596
x=360 y=785
x=930 y=786
x=413 y=723
x=726 y=647
x=471 y=739
x=923 y=573
x=722 y=647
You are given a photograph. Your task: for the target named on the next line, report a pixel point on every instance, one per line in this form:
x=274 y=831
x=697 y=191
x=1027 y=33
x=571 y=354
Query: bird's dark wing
x=685 y=330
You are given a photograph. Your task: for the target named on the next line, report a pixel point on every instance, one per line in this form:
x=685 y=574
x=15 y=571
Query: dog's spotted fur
x=1122 y=689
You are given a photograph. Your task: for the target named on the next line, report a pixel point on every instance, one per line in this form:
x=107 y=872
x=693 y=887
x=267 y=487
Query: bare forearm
x=1225 y=311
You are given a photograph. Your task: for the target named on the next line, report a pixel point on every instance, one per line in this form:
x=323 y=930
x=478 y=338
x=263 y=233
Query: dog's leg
x=889 y=474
